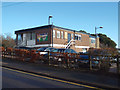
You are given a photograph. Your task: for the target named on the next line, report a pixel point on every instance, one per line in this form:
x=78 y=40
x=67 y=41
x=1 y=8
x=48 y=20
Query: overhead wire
x=12 y=4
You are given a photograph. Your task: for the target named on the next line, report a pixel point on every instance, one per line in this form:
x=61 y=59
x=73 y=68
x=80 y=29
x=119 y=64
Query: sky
x=73 y=15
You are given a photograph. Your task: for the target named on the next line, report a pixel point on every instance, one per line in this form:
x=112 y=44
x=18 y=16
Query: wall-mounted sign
x=42 y=37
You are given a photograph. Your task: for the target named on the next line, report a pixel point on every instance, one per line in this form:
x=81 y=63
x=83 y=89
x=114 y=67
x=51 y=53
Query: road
x=18 y=79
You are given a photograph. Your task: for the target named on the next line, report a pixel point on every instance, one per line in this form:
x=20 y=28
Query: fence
x=67 y=60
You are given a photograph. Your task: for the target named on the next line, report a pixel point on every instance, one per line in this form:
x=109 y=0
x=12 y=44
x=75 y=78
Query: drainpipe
x=52 y=34
x=74 y=35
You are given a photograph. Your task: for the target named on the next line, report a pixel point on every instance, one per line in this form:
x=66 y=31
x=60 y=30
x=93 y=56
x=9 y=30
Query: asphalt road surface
x=18 y=79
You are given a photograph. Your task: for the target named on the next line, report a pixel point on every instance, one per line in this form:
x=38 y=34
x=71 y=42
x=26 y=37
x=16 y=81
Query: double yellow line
x=53 y=79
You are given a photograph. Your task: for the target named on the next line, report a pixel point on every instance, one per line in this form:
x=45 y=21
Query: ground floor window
x=84 y=49
x=92 y=40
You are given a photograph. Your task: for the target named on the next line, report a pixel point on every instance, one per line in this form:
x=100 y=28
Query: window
x=20 y=37
x=77 y=37
x=61 y=34
x=65 y=35
x=84 y=49
x=54 y=33
x=58 y=34
x=72 y=36
x=92 y=41
x=31 y=36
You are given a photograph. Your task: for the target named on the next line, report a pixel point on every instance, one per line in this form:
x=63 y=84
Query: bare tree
x=7 y=40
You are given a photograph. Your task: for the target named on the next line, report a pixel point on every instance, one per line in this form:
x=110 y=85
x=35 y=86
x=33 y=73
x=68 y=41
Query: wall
x=79 y=44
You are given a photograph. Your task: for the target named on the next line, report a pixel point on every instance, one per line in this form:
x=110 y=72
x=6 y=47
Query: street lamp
x=96 y=35
x=49 y=20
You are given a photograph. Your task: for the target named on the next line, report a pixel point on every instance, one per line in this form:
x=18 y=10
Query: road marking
x=53 y=79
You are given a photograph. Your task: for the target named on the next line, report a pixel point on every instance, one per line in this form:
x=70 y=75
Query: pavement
x=103 y=79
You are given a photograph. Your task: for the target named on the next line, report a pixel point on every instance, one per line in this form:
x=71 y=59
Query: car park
x=84 y=60
x=59 y=54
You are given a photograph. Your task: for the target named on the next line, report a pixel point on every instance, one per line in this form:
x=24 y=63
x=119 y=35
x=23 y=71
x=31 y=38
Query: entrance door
x=69 y=37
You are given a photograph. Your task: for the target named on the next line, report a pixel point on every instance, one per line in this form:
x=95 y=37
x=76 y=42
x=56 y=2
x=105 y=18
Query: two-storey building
x=54 y=36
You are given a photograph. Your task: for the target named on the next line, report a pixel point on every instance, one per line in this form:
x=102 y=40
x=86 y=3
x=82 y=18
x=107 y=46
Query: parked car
x=26 y=48
x=41 y=49
x=61 y=52
x=85 y=59
x=44 y=51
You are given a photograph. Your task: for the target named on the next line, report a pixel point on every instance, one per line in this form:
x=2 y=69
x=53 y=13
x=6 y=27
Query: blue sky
x=72 y=15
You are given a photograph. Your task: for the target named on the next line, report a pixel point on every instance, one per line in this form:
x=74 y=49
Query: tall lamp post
x=96 y=35
x=49 y=20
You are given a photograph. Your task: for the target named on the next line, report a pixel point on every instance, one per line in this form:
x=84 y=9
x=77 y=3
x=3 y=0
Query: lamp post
x=96 y=35
x=49 y=20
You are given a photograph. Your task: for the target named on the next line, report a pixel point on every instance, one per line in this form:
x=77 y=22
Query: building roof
x=46 y=26
x=31 y=29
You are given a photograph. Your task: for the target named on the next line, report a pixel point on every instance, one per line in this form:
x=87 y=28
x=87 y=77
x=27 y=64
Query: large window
x=31 y=36
x=77 y=37
x=20 y=37
x=58 y=34
x=54 y=33
x=61 y=34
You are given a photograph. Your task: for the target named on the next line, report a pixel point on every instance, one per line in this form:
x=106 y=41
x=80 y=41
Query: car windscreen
x=41 y=49
x=49 y=49
x=70 y=51
x=59 y=50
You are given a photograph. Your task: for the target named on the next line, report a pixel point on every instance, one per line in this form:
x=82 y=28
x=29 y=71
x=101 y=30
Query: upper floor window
x=54 y=33
x=65 y=35
x=61 y=34
x=72 y=36
x=77 y=37
x=58 y=34
x=31 y=36
x=20 y=37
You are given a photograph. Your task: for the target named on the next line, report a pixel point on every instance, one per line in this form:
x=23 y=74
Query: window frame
x=58 y=34
x=66 y=35
x=77 y=37
x=62 y=35
x=53 y=33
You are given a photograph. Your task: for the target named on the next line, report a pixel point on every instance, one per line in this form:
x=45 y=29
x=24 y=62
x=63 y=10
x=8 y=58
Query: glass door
x=69 y=37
